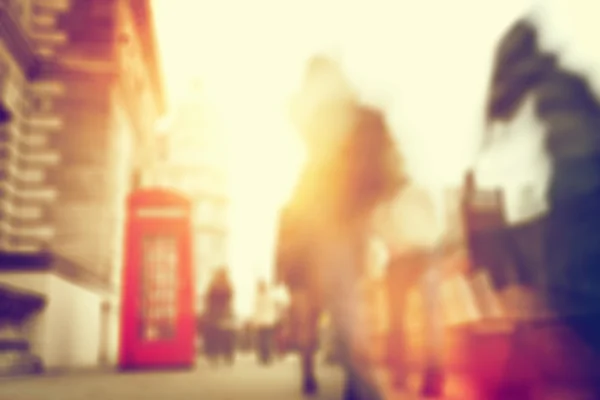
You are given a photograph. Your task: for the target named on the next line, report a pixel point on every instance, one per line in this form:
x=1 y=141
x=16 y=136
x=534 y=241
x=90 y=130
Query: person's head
x=325 y=81
x=322 y=108
x=519 y=66
x=262 y=286
x=221 y=274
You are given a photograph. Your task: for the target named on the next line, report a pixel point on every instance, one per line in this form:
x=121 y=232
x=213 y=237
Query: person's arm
x=288 y=248
x=228 y=298
x=228 y=292
x=256 y=310
x=209 y=297
x=280 y=249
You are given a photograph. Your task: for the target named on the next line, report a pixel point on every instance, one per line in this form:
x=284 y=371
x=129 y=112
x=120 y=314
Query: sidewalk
x=244 y=381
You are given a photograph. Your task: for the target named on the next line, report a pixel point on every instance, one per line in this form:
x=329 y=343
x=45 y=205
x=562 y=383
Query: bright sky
x=426 y=62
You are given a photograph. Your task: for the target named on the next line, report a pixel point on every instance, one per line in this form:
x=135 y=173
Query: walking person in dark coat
x=552 y=255
x=219 y=332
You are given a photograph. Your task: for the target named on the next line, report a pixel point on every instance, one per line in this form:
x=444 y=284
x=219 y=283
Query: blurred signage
x=162 y=213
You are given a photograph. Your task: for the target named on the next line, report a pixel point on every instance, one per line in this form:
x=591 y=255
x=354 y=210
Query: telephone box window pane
x=159 y=287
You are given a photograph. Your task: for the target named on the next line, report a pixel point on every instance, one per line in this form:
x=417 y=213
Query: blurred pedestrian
x=352 y=167
x=282 y=327
x=219 y=329
x=544 y=266
x=265 y=320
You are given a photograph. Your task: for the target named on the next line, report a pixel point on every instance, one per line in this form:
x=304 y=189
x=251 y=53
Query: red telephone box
x=157 y=319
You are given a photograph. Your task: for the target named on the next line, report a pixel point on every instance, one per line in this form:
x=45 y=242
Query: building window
x=221 y=214
x=27 y=213
x=219 y=247
x=22 y=245
x=202 y=245
x=47 y=157
x=38 y=232
x=43 y=194
x=40 y=104
x=35 y=140
x=4 y=153
x=31 y=175
x=205 y=212
x=45 y=122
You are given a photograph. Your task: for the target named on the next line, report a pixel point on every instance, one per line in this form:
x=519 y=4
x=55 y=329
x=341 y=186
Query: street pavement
x=243 y=381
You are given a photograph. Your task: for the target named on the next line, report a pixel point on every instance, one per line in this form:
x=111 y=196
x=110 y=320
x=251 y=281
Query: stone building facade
x=80 y=92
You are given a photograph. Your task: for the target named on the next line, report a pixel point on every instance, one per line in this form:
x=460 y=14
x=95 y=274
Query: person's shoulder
x=370 y=114
x=370 y=124
x=368 y=111
x=370 y=133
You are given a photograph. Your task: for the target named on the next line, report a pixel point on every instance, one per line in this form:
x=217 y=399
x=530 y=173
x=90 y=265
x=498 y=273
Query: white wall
x=73 y=325
x=67 y=333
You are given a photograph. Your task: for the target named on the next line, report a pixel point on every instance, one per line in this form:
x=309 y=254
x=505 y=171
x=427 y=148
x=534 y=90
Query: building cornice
x=78 y=274
x=52 y=262
x=17 y=42
x=15 y=262
x=143 y=16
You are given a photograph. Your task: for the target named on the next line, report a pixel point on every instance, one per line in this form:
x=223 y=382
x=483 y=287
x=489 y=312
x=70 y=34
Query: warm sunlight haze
x=427 y=69
x=299 y=199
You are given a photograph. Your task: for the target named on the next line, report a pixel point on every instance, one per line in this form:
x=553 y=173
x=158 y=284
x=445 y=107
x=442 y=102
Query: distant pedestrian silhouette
x=219 y=333
x=266 y=315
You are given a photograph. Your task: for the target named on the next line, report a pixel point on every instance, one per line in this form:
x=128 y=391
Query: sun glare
x=250 y=55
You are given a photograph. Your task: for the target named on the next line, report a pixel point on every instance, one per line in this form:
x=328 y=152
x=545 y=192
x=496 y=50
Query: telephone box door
x=158 y=328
